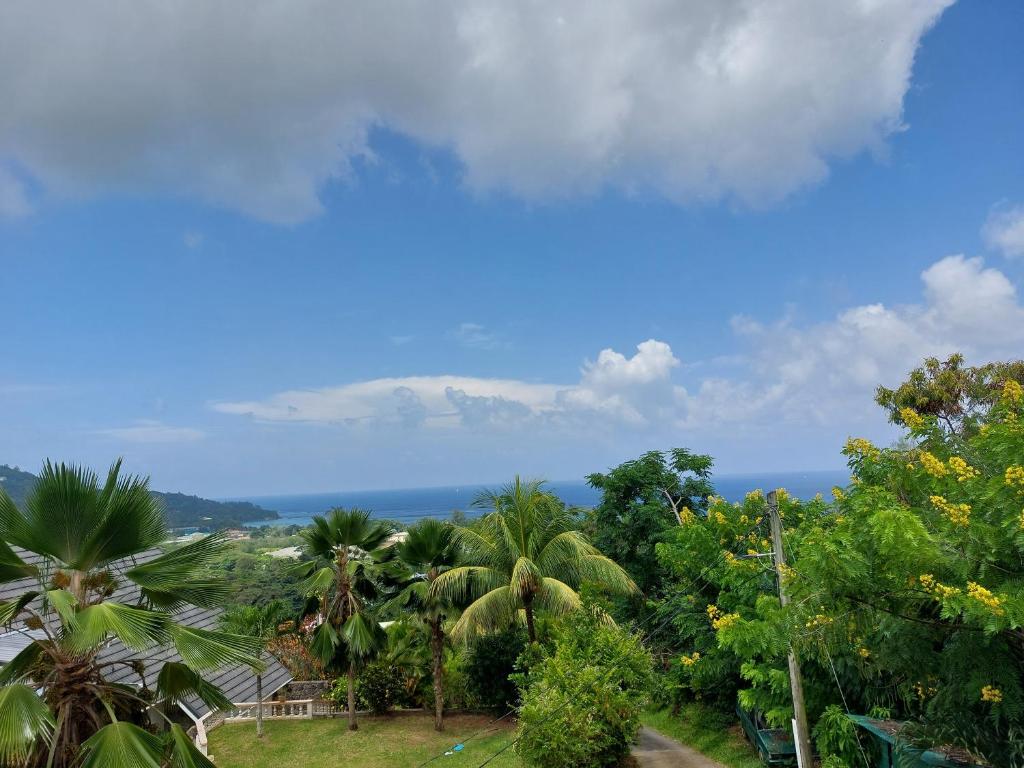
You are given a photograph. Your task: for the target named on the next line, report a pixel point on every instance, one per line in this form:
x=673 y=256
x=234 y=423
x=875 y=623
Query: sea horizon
x=406 y=505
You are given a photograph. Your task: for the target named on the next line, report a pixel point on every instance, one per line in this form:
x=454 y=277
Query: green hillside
x=183 y=511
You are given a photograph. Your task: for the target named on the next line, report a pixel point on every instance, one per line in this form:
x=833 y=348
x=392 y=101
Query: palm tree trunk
x=352 y=724
x=259 y=706
x=531 y=631
x=437 y=643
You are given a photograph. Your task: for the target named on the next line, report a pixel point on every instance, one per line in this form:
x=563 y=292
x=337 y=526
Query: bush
x=490 y=662
x=582 y=700
x=379 y=688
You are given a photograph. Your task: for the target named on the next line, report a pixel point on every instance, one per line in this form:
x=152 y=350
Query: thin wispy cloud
x=149 y=431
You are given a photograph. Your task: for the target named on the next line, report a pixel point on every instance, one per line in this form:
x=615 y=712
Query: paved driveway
x=657 y=751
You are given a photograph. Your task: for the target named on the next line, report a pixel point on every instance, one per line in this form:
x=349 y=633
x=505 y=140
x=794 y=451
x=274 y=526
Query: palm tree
x=345 y=550
x=260 y=622
x=428 y=551
x=83 y=589
x=525 y=555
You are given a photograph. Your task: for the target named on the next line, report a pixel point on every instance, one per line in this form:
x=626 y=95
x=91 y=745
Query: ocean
x=410 y=504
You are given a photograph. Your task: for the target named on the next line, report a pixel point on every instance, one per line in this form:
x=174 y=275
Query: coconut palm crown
x=525 y=555
x=77 y=541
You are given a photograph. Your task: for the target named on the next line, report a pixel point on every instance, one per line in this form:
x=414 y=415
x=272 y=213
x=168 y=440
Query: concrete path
x=657 y=751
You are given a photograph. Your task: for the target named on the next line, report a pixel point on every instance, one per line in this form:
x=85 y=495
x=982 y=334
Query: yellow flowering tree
x=922 y=569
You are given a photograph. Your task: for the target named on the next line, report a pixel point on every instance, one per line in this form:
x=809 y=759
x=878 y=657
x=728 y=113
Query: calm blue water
x=410 y=504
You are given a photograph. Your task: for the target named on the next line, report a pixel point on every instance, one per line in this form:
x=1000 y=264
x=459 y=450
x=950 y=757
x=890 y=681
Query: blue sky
x=253 y=274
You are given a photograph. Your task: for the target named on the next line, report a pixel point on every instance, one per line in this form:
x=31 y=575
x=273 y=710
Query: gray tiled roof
x=237 y=682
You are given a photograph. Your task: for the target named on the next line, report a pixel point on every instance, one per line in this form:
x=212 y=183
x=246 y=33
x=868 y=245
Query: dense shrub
x=489 y=663
x=582 y=698
x=379 y=688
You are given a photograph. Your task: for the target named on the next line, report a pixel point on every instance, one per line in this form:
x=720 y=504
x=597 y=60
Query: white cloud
x=1004 y=230
x=614 y=389
x=827 y=373
x=790 y=374
x=255 y=108
x=475 y=336
x=148 y=431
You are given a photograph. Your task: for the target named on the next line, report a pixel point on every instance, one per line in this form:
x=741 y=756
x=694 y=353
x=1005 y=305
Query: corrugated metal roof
x=237 y=682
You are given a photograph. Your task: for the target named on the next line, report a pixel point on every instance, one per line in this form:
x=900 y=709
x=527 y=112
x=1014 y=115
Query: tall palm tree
x=428 y=552
x=525 y=555
x=260 y=622
x=83 y=589
x=346 y=549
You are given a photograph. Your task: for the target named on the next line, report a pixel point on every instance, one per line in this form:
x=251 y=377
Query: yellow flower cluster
x=714 y=612
x=1013 y=392
x=924 y=692
x=962 y=469
x=991 y=693
x=993 y=602
x=689 y=661
x=1015 y=475
x=958 y=514
x=730 y=559
x=686 y=516
x=819 y=620
x=863 y=652
x=861 y=447
x=724 y=622
x=719 y=518
x=929 y=583
x=911 y=418
x=754 y=495
x=781 y=494
x=744 y=520
x=933 y=465
x=837 y=493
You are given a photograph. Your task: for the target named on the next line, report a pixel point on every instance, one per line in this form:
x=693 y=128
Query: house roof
x=237 y=681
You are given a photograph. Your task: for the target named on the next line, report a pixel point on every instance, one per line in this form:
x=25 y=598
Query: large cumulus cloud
x=254 y=106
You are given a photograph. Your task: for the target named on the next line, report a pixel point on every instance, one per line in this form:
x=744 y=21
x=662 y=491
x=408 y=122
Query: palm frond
x=11 y=566
x=465 y=581
x=24 y=719
x=557 y=597
x=184 y=753
x=210 y=649
x=362 y=635
x=525 y=578
x=130 y=520
x=18 y=668
x=177 y=682
x=496 y=609
x=137 y=628
x=319 y=583
x=324 y=645
x=9 y=610
x=174 y=577
x=122 y=745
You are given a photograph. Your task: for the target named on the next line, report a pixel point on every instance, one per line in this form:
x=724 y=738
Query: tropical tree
x=346 y=549
x=525 y=555
x=428 y=552
x=77 y=588
x=262 y=623
x=641 y=501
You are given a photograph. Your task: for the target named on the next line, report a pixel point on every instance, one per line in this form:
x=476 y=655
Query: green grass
x=707 y=731
x=397 y=741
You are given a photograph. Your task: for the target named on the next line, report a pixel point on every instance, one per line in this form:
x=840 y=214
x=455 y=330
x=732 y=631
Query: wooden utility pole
x=800 y=732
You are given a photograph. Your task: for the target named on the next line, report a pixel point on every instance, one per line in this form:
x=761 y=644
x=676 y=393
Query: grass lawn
x=397 y=741
x=707 y=731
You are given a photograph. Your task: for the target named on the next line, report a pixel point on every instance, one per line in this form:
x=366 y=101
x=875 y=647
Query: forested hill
x=182 y=511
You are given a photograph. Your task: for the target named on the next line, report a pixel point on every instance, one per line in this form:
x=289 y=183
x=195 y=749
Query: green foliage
x=582 y=699
x=640 y=501
x=379 y=688
x=79 y=530
x=527 y=555
x=835 y=736
x=956 y=396
x=490 y=661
